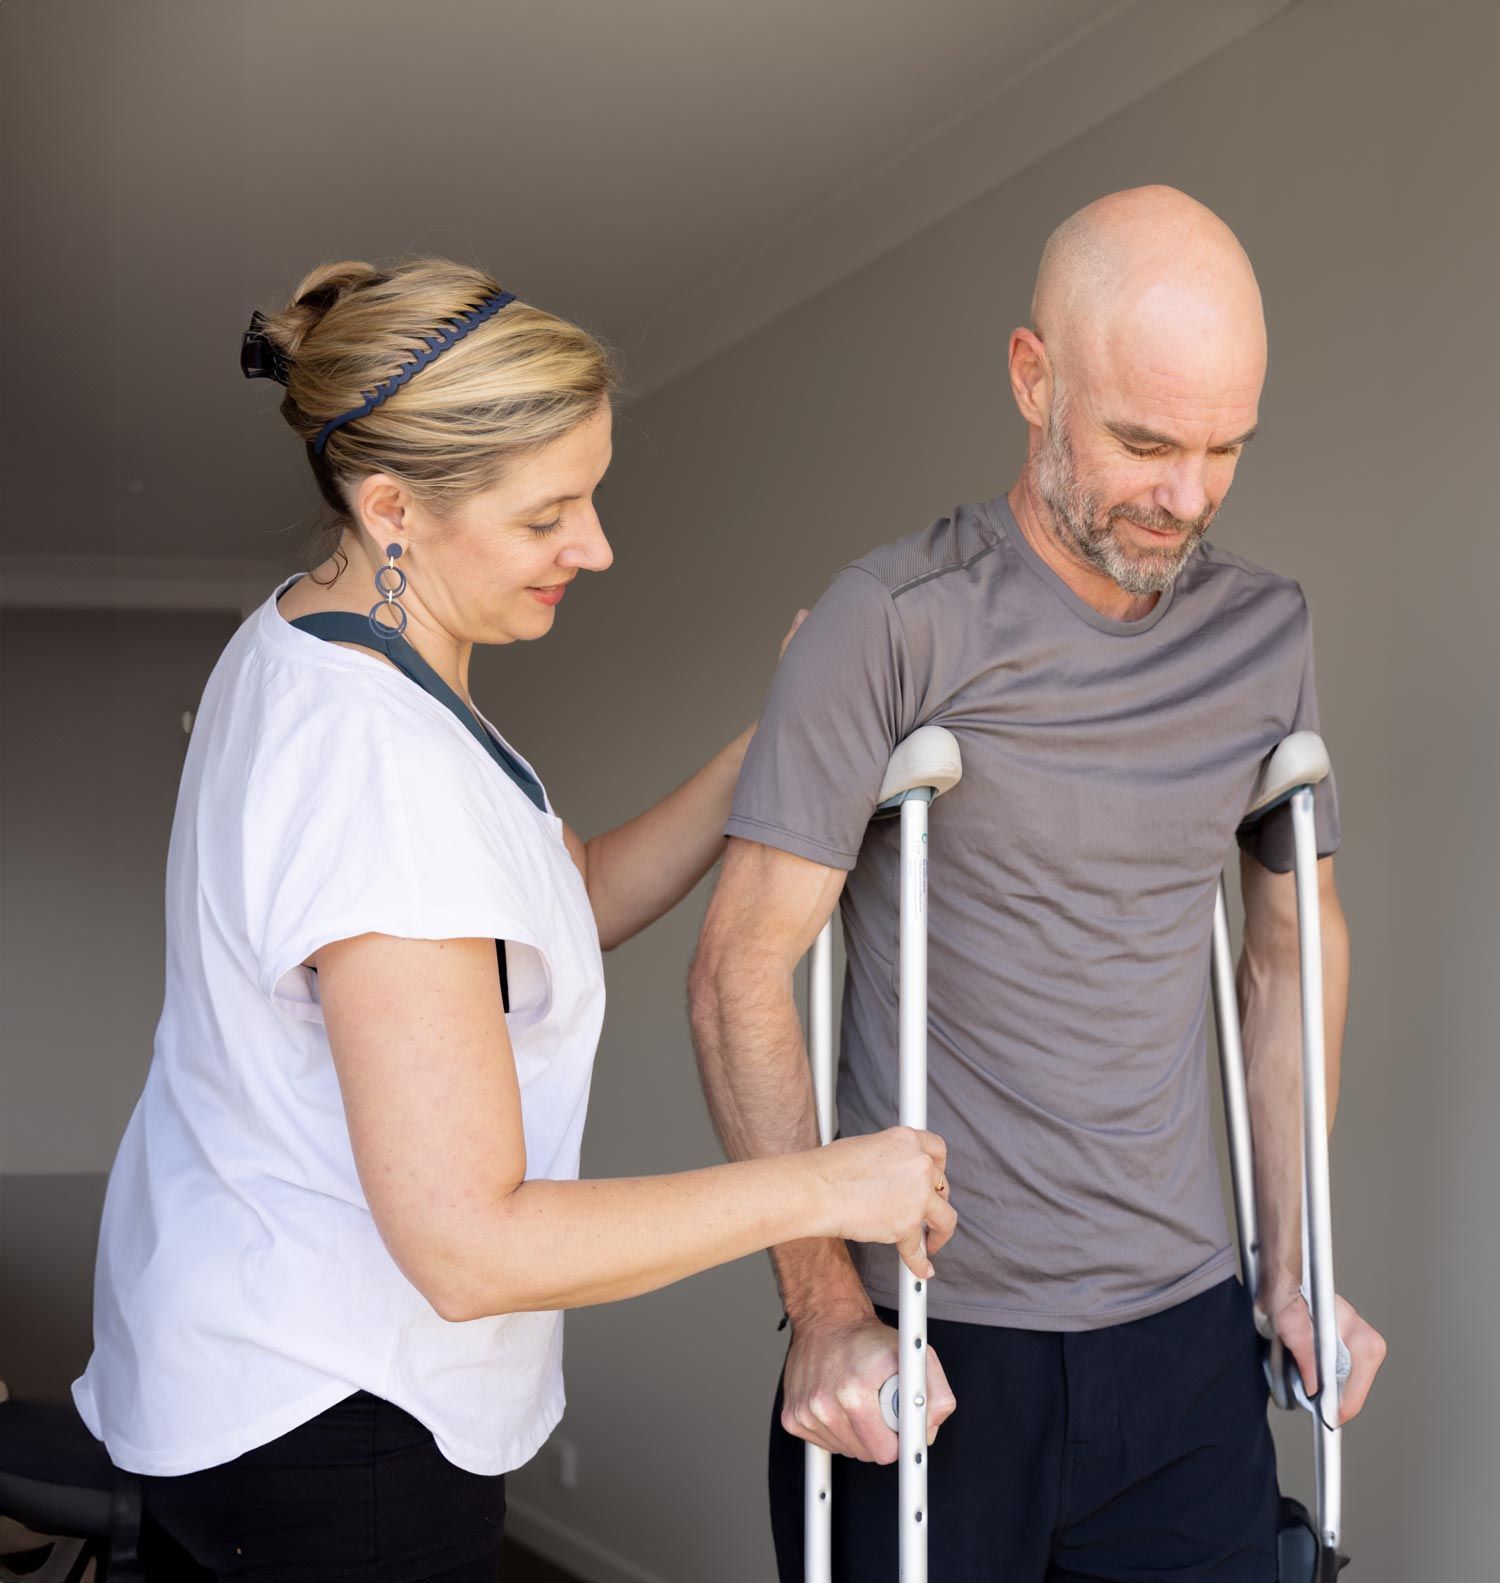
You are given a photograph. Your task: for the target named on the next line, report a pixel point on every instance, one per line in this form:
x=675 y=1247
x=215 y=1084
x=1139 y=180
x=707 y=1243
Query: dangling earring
x=390 y=588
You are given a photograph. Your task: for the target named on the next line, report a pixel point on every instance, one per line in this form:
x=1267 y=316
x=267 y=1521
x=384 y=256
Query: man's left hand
x=1366 y=1345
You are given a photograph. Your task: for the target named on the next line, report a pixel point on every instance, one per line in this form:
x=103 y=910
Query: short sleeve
x=349 y=830
x=1269 y=839
x=840 y=702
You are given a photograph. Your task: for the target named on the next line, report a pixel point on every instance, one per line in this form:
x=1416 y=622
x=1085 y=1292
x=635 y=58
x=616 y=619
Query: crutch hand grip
x=1283 y=1375
x=890 y=1403
x=1293 y=1392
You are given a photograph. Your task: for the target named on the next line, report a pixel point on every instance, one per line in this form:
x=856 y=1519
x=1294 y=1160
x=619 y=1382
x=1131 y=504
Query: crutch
x=923 y=767
x=1292 y=774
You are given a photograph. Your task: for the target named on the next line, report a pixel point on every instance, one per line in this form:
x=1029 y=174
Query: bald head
x=1140 y=379
x=1149 y=272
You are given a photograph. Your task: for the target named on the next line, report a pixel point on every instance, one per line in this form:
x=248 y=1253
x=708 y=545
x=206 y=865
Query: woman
x=345 y=1212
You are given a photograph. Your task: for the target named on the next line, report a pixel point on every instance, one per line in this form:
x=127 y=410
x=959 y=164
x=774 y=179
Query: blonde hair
x=515 y=382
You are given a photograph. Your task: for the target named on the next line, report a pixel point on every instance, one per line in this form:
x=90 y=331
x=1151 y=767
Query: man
x=1115 y=682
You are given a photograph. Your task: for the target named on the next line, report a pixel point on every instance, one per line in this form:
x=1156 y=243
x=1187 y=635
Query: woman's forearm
x=642 y=869
x=552 y=1245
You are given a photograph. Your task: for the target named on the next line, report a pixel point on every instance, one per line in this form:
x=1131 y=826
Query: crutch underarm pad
x=1300 y=760
x=928 y=757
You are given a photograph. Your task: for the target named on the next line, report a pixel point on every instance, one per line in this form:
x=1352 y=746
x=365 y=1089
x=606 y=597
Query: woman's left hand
x=797 y=621
x=742 y=741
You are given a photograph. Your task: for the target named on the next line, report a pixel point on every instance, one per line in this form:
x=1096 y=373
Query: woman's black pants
x=359 y=1494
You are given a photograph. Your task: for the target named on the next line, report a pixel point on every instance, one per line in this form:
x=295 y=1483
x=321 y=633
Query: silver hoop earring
x=390 y=584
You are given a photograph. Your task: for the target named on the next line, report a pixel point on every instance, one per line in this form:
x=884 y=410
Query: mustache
x=1162 y=521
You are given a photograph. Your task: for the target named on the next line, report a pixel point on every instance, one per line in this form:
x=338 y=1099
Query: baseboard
x=562 y=1546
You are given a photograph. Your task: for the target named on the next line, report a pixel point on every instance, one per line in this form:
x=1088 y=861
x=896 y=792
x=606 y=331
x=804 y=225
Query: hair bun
x=316 y=294
x=352 y=336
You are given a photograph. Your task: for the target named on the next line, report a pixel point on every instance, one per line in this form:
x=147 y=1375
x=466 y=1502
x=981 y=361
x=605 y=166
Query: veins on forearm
x=753 y=1064
x=752 y=1061
x=1269 y=996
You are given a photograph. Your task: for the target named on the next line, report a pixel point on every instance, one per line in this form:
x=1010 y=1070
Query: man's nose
x=1184 y=492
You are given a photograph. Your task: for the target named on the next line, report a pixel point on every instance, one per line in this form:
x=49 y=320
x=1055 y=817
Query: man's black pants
x=1140 y=1452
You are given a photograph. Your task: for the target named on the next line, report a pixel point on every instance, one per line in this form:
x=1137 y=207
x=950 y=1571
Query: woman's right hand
x=886 y=1187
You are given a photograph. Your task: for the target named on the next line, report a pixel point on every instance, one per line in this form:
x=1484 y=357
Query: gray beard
x=1080 y=522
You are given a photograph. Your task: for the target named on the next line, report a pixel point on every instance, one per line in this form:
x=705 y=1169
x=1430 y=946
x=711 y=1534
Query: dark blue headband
x=435 y=344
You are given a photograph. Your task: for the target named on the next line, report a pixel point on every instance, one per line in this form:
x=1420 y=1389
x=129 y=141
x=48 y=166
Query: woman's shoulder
x=289 y=708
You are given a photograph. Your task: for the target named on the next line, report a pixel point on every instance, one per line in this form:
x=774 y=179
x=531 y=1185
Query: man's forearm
x=753 y=1063
x=1270 y=997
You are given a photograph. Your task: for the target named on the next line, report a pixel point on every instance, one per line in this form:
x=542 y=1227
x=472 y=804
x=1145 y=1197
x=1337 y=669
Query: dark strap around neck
x=341 y=626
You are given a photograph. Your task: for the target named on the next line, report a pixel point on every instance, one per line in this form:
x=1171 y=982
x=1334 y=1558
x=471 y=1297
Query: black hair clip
x=259 y=359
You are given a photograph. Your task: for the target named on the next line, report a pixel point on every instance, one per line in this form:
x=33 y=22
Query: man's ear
x=1031 y=376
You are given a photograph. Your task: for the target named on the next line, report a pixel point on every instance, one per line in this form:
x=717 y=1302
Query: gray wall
x=91 y=748
x=1352 y=146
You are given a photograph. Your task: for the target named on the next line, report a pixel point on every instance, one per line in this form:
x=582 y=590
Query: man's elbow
x=1272 y=945
x=705 y=977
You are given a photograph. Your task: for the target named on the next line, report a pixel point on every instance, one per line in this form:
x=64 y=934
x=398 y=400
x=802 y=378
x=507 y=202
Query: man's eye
x=1155 y=450
x=542 y=529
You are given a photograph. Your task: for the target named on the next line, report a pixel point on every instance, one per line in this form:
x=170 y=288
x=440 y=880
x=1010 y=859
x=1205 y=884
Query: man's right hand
x=831 y=1387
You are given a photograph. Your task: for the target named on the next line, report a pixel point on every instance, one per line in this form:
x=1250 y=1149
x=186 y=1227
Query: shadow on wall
x=49 y=1231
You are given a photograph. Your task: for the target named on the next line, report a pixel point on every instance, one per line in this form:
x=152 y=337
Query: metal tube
x=913 y=1292
x=817 y=1474
x=1237 y=1126
x=1317 y=1213
x=820 y=1029
x=1236 y=1098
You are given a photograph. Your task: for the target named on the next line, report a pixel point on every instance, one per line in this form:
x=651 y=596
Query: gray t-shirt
x=1107 y=766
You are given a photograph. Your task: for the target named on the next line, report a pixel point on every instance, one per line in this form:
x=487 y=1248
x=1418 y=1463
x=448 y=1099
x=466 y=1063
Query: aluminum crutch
x=922 y=768
x=1291 y=775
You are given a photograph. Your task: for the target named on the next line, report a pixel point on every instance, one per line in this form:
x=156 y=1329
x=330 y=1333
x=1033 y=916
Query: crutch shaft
x=1236 y=1097
x=924 y=766
x=913 y=1290
x=1317 y=1211
x=817 y=1481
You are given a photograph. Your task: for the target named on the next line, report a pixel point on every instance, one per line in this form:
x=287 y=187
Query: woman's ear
x=381 y=507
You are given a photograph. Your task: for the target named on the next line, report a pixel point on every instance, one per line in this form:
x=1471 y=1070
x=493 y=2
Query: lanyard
x=340 y=626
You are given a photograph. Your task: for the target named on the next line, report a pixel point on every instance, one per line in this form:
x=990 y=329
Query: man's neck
x=1092 y=586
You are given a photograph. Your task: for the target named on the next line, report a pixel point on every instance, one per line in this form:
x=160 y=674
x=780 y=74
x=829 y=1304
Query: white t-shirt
x=242 y=1286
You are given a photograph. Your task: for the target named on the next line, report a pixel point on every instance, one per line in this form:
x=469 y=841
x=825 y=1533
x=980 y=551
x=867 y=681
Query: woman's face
x=496 y=567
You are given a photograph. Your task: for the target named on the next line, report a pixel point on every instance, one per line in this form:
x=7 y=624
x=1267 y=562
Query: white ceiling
x=675 y=173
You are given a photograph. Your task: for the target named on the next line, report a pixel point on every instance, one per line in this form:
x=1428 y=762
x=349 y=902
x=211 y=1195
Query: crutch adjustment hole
x=822 y=1495
x=919 y=1343
x=919 y=1458
x=919 y=1286
x=919 y=1516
